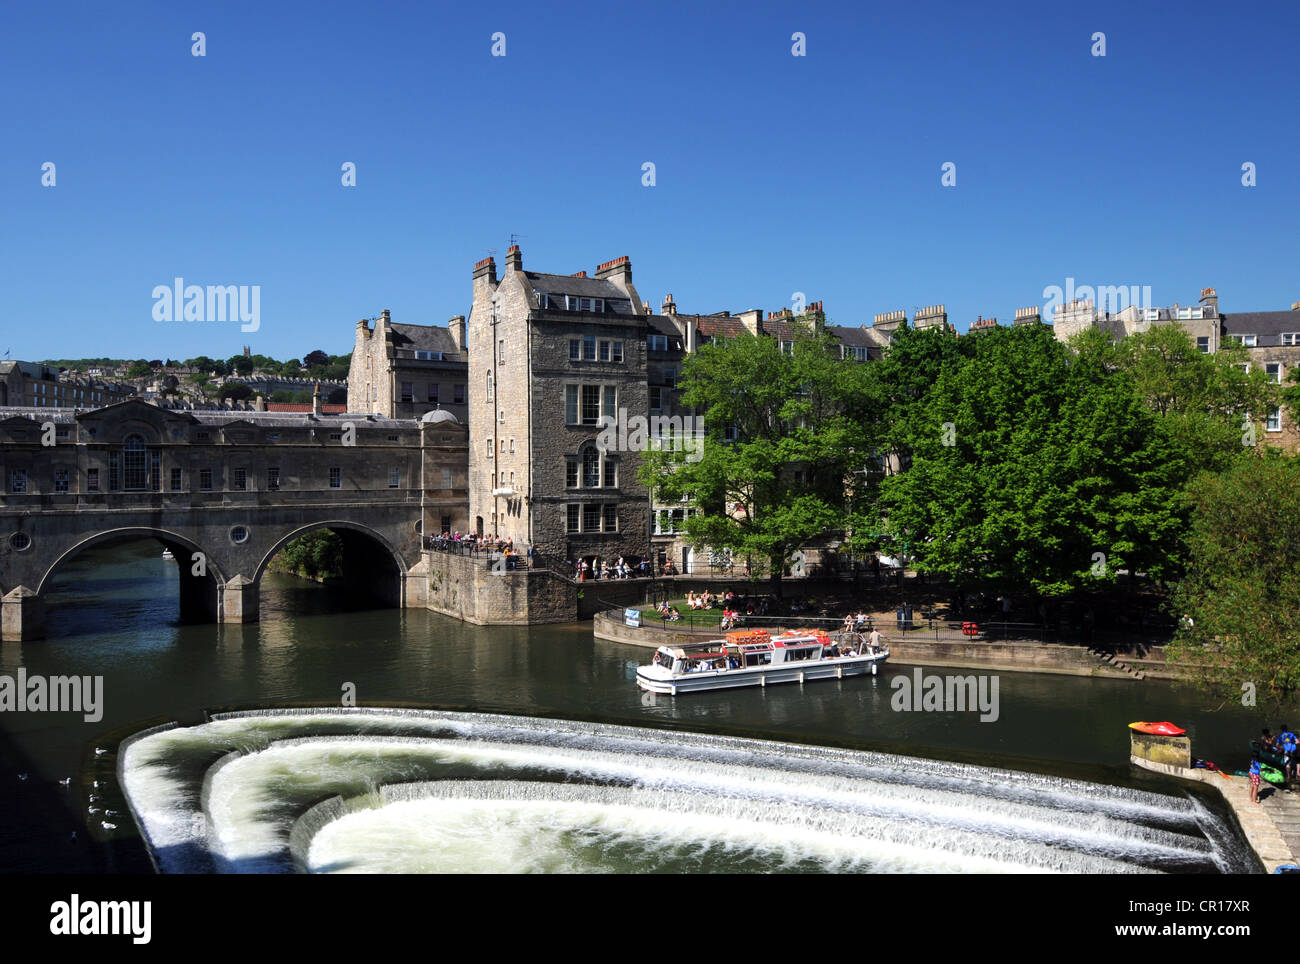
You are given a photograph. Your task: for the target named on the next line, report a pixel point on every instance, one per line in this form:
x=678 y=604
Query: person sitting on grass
x=674 y=615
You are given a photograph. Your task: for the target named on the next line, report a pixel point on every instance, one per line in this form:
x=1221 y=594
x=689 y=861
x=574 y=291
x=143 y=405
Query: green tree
x=1202 y=398
x=781 y=438
x=1240 y=599
x=902 y=380
x=236 y=390
x=239 y=365
x=316 y=555
x=1032 y=471
x=1291 y=394
x=138 y=369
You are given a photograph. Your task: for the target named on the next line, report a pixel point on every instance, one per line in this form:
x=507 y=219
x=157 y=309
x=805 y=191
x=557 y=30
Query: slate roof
x=616 y=299
x=719 y=326
x=1267 y=325
x=424 y=338
x=302 y=407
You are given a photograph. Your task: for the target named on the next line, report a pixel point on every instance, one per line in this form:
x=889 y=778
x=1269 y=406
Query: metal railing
x=915 y=627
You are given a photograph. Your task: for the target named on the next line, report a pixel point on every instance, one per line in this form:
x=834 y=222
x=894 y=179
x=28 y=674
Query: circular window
x=20 y=541
x=238 y=534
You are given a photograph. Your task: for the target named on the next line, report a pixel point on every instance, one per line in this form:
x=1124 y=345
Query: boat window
x=758 y=659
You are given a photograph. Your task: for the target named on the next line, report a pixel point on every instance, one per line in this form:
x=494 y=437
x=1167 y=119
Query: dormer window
x=657 y=342
x=576 y=303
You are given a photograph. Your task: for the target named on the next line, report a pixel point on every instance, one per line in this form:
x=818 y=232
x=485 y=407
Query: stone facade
x=1272 y=339
x=224 y=492
x=550 y=355
x=27 y=384
x=468 y=588
x=405 y=371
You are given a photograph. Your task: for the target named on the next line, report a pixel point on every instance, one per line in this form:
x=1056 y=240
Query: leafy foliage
x=1031 y=469
x=1240 y=599
x=316 y=555
x=781 y=479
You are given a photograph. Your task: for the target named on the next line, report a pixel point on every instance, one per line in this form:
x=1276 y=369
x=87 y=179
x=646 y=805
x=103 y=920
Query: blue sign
x=632 y=617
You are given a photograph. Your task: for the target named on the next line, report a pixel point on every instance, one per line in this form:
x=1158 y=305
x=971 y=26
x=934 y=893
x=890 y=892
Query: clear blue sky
x=775 y=173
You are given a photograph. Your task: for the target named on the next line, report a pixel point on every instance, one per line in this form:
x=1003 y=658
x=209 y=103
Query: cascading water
x=409 y=790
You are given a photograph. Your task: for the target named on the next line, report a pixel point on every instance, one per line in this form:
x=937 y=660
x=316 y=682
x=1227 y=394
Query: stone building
x=549 y=356
x=40 y=386
x=1272 y=339
x=404 y=371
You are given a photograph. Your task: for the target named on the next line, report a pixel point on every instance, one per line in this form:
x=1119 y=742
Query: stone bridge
x=224 y=492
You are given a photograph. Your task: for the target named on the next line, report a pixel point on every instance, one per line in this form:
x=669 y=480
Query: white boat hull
x=656 y=679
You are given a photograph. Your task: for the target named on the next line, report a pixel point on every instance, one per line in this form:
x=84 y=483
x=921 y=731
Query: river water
x=113 y=613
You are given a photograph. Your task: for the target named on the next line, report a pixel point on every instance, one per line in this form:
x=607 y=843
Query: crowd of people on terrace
x=472 y=544
x=599 y=568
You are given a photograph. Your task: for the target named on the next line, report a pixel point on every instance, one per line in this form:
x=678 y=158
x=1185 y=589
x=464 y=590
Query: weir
x=715 y=803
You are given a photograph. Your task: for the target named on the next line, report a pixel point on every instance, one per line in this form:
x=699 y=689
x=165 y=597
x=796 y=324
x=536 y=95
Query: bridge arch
x=371 y=563
x=165 y=536
x=198 y=592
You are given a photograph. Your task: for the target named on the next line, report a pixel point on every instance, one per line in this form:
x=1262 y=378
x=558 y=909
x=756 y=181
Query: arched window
x=590 y=467
x=134 y=467
x=135 y=464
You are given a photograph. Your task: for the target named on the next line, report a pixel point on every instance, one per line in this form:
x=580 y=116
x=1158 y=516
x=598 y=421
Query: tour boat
x=755 y=658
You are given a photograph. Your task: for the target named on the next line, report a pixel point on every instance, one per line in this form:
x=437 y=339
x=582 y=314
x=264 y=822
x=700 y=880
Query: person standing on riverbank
x=1288 y=745
x=1254 y=777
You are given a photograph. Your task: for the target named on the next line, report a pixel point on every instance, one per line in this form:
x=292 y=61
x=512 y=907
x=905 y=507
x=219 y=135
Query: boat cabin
x=743 y=650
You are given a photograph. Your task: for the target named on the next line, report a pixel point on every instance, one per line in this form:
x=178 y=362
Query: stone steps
x=1110 y=659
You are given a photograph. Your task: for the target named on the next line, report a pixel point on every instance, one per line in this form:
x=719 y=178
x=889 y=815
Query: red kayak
x=1159 y=729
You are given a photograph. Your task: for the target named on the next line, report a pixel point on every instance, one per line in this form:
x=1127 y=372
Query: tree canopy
x=1240 y=600
x=784 y=431
x=1032 y=469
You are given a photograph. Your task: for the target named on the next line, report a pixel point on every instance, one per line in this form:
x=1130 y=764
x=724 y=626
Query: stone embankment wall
x=1022 y=657
x=466 y=589
x=1259 y=824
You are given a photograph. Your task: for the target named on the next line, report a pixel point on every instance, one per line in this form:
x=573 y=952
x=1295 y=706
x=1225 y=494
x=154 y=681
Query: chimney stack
x=933 y=316
x=456 y=326
x=889 y=320
x=619 y=271
x=669 y=306
x=514 y=260
x=1210 y=299
x=487 y=268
